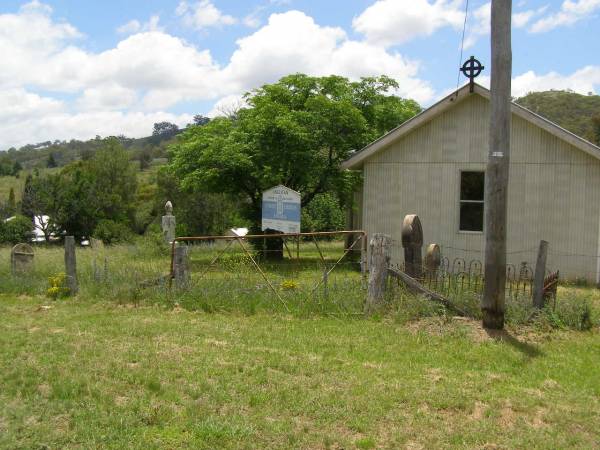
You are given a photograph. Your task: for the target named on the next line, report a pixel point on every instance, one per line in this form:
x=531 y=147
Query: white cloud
x=582 y=81
x=227 y=105
x=18 y=104
x=389 y=22
x=480 y=22
x=203 y=14
x=570 y=13
x=107 y=97
x=134 y=26
x=150 y=71
x=86 y=125
x=292 y=42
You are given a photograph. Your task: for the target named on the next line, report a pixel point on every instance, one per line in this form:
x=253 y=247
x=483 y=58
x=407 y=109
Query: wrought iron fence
x=459 y=275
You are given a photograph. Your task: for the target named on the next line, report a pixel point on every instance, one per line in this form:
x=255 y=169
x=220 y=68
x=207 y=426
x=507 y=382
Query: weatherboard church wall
x=554 y=191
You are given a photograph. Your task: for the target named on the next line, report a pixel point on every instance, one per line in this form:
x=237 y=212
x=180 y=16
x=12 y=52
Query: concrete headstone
x=433 y=259
x=21 y=259
x=412 y=241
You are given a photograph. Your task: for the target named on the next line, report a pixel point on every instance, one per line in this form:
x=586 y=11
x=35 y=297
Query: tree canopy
x=294 y=132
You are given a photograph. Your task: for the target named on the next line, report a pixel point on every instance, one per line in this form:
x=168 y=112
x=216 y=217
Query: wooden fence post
x=378 y=271
x=181 y=267
x=540 y=274
x=71 y=265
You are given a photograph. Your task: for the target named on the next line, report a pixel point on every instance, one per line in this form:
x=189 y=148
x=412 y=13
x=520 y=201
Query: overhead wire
x=462 y=45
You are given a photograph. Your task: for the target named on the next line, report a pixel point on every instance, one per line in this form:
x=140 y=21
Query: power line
x=462 y=44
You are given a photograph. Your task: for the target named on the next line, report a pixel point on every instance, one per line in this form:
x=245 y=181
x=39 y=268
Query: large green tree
x=84 y=193
x=294 y=132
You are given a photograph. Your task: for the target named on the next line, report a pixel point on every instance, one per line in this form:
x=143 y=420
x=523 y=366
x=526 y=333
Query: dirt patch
x=478 y=411
x=507 y=416
x=216 y=343
x=121 y=401
x=44 y=390
x=472 y=328
x=434 y=375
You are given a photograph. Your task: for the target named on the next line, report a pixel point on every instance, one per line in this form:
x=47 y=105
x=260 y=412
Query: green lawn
x=82 y=374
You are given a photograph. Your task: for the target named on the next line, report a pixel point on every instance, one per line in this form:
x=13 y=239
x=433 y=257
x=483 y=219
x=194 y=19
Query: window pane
x=471 y=216
x=471 y=185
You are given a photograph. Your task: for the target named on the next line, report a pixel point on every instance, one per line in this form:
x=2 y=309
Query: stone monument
x=168 y=223
x=21 y=259
x=412 y=241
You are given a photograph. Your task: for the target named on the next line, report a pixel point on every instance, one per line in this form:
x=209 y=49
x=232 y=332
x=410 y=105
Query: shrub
x=111 y=232
x=19 y=229
x=58 y=286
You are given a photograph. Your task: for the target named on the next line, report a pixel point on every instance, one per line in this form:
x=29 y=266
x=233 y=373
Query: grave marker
x=433 y=259
x=412 y=241
x=21 y=259
x=168 y=223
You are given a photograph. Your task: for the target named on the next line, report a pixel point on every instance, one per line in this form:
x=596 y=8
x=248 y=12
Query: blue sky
x=76 y=69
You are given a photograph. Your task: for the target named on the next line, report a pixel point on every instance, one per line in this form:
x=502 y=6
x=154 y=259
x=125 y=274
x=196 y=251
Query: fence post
x=378 y=271
x=540 y=274
x=71 y=265
x=181 y=266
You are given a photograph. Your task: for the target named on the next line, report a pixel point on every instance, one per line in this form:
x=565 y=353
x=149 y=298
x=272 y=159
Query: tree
x=86 y=192
x=11 y=204
x=163 y=131
x=294 y=132
x=200 y=120
x=51 y=161
x=17 y=167
x=145 y=159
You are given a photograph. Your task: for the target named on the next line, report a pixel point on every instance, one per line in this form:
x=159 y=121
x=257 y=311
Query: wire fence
x=323 y=271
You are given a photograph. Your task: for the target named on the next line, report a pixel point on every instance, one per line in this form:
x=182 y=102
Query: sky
x=75 y=69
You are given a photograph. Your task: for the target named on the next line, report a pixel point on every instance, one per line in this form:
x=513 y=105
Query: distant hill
x=60 y=153
x=571 y=111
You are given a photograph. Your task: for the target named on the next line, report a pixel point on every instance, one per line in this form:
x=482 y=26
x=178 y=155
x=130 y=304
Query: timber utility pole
x=496 y=176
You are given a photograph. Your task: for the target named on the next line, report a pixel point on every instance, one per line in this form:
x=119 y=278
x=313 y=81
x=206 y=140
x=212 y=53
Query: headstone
x=433 y=259
x=21 y=259
x=168 y=223
x=181 y=266
x=412 y=241
x=71 y=265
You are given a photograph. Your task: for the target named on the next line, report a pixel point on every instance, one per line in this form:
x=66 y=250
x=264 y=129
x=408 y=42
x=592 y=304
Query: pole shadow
x=531 y=351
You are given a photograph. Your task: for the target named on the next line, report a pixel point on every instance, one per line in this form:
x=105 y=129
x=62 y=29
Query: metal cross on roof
x=471 y=69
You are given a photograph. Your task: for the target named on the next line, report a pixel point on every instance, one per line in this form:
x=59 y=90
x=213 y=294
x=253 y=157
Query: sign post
x=281 y=210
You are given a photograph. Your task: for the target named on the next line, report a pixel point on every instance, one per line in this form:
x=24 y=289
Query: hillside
x=571 y=111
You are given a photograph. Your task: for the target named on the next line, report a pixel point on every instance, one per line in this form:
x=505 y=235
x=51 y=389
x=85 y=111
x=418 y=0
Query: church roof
x=356 y=160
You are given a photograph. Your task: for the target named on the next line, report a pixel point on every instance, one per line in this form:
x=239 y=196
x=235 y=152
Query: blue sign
x=281 y=210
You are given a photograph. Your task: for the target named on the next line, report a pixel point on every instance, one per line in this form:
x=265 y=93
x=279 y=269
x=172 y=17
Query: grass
x=225 y=365
x=82 y=375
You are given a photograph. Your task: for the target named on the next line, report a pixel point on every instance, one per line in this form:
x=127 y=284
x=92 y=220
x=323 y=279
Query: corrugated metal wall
x=554 y=191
